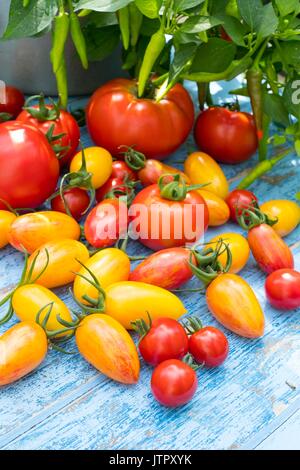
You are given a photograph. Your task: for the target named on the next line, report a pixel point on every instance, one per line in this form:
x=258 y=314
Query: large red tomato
x=227 y=136
x=116 y=117
x=29 y=169
x=64 y=125
x=11 y=101
x=163 y=223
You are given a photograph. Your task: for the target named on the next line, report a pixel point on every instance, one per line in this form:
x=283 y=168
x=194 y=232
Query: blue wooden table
x=252 y=401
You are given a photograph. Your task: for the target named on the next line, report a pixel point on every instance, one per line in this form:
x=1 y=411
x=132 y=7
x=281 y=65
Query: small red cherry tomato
x=240 y=199
x=121 y=170
x=173 y=383
x=209 y=346
x=164 y=339
x=12 y=103
x=106 y=223
x=115 y=188
x=283 y=289
x=77 y=201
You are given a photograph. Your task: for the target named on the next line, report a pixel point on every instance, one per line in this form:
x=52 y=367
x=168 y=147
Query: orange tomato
x=105 y=344
x=239 y=248
x=31 y=231
x=218 y=210
x=22 y=349
x=287 y=212
x=6 y=219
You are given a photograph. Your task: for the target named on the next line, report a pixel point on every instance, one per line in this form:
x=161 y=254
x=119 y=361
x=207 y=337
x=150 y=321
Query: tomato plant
x=11 y=103
x=240 y=199
x=155 y=128
x=74 y=200
x=227 y=136
x=173 y=383
x=163 y=339
x=283 y=289
x=29 y=169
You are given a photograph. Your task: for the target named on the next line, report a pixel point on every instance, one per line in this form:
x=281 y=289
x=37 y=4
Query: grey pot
x=25 y=64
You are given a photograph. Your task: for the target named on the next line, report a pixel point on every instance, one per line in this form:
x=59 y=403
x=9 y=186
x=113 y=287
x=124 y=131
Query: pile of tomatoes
x=55 y=207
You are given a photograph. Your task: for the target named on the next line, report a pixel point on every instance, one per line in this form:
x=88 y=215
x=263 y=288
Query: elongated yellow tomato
x=22 y=348
x=105 y=344
x=239 y=248
x=63 y=262
x=287 y=212
x=98 y=162
x=30 y=231
x=129 y=300
x=28 y=299
x=109 y=266
x=218 y=210
x=202 y=169
x=233 y=303
x=6 y=219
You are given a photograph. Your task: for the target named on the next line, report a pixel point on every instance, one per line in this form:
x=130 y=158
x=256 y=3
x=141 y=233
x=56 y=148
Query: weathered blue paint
x=246 y=403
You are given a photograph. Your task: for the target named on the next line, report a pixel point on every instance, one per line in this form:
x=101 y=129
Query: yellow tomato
x=6 y=219
x=31 y=231
x=29 y=299
x=62 y=266
x=109 y=266
x=105 y=344
x=128 y=301
x=98 y=162
x=218 y=210
x=287 y=212
x=239 y=248
x=202 y=169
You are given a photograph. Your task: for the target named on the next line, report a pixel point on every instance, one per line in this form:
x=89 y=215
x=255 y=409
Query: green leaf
x=101 y=19
x=102 y=5
x=149 y=8
x=267 y=23
x=183 y=5
x=183 y=54
x=198 y=24
x=291 y=97
x=251 y=12
x=101 y=41
x=238 y=66
x=29 y=21
x=234 y=29
x=290 y=50
x=275 y=108
x=286 y=7
x=239 y=92
x=214 y=56
x=185 y=38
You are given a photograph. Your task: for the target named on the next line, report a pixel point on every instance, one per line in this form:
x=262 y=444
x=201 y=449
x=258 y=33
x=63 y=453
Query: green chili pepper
x=59 y=38
x=153 y=51
x=78 y=39
x=260 y=169
x=136 y=20
x=62 y=85
x=232 y=9
x=84 y=12
x=263 y=143
x=123 y=18
x=254 y=85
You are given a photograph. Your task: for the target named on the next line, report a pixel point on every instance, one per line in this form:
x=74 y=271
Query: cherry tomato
x=165 y=339
x=11 y=102
x=77 y=200
x=173 y=383
x=167 y=268
x=30 y=231
x=240 y=199
x=164 y=223
x=227 y=136
x=209 y=346
x=114 y=188
x=64 y=124
x=6 y=219
x=29 y=169
x=122 y=171
x=283 y=289
x=106 y=223
x=23 y=347
x=202 y=169
x=239 y=248
x=116 y=118
x=218 y=210
x=98 y=163
x=154 y=169
x=287 y=212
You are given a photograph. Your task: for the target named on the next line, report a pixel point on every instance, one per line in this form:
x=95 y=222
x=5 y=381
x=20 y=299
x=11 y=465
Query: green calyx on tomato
x=134 y=159
x=177 y=189
x=52 y=335
x=41 y=111
x=253 y=217
x=94 y=305
x=192 y=324
x=141 y=327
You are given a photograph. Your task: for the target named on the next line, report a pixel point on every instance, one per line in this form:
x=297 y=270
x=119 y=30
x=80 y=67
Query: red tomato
x=106 y=223
x=122 y=171
x=64 y=124
x=161 y=223
x=114 y=188
x=227 y=136
x=166 y=339
x=166 y=268
x=29 y=169
x=283 y=289
x=240 y=199
x=269 y=250
x=11 y=101
x=209 y=346
x=116 y=118
x=224 y=35
x=173 y=383
x=77 y=201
